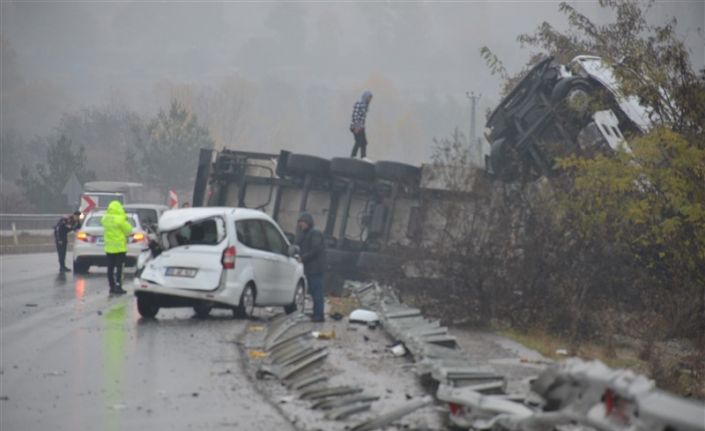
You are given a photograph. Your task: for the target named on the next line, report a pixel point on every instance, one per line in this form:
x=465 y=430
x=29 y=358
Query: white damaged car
x=220 y=257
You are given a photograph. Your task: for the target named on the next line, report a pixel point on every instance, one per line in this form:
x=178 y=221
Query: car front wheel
x=247 y=303
x=202 y=310
x=299 y=302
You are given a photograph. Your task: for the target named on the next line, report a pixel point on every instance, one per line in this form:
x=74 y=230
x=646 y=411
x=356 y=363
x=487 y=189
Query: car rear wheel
x=80 y=267
x=202 y=310
x=147 y=308
x=247 y=303
x=299 y=302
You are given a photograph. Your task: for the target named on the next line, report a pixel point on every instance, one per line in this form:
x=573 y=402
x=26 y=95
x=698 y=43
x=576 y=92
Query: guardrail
x=28 y=222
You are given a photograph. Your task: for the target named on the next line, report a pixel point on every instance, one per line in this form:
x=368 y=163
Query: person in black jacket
x=61 y=232
x=313 y=256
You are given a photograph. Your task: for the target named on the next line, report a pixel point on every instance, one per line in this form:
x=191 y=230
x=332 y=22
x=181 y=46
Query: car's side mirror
x=294 y=250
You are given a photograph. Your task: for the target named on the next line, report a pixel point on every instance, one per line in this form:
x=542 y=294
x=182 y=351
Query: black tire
x=202 y=310
x=567 y=86
x=352 y=168
x=299 y=301
x=246 y=307
x=397 y=172
x=303 y=164
x=147 y=307
x=80 y=267
x=370 y=261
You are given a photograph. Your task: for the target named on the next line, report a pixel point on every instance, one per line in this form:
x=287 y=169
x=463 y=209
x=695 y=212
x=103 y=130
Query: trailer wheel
x=395 y=171
x=352 y=168
x=303 y=164
x=341 y=259
x=370 y=261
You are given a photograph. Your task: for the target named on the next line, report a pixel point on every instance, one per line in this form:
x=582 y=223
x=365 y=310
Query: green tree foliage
x=617 y=241
x=642 y=208
x=648 y=204
x=44 y=184
x=168 y=155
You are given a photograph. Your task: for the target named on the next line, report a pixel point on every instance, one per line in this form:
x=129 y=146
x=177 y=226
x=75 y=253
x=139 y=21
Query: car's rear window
x=104 y=200
x=94 y=221
x=203 y=232
x=147 y=216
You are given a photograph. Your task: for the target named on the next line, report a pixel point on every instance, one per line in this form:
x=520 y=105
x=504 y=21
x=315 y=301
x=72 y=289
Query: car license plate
x=174 y=271
x=99 y=240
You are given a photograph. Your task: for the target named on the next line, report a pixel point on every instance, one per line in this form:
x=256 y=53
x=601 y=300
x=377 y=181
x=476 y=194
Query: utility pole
x=473 y=141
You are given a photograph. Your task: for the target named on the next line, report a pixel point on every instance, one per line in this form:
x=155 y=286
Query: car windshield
x=202 y=232
x=94 y=220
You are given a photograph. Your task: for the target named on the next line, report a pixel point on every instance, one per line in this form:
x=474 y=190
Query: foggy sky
x=301 y=66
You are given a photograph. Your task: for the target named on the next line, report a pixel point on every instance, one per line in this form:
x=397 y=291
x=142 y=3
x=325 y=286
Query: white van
x=220 y=257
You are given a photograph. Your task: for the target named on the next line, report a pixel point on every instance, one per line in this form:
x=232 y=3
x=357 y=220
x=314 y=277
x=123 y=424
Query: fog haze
x=266 y=76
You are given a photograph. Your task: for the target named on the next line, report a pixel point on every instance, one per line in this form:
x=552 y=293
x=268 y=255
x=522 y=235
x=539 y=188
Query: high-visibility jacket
x=116 y=228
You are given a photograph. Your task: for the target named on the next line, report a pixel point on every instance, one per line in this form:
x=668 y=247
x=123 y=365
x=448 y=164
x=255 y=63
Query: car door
x=251 y=234
x=282 y=269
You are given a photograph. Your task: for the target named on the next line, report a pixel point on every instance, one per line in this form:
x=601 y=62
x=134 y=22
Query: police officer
x=313 y=256
x=116 y=228
x=61 y=232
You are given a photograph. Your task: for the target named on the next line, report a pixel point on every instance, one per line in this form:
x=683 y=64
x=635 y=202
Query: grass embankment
x=675 y=366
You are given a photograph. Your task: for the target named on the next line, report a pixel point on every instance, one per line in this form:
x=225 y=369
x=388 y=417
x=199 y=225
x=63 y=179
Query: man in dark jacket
x=357 y=126
x=61 y=233
x=313 y=256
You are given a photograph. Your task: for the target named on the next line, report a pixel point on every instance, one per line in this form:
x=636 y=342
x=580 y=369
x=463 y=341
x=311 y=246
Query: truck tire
x=397 y=172
x=303 y=164
x=352 y=168
x=341 y=259
x=370 y=261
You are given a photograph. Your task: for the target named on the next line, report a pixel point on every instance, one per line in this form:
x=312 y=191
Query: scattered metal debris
x=314 y=394
x=389 y=417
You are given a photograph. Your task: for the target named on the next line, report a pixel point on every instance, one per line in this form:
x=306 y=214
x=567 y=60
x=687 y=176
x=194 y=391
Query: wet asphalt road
x=74 y=359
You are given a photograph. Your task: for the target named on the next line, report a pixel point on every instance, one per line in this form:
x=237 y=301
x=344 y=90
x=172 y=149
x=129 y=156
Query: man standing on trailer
x=357 y=127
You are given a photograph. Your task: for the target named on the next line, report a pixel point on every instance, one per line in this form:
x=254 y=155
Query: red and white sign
x=173 y=199
x=87 y=204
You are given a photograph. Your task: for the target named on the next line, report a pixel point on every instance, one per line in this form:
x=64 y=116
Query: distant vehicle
x=88 y=243
x=98 y=194
x=148 y=213
x=92 y=201
x=556 y=110
x=220 y=257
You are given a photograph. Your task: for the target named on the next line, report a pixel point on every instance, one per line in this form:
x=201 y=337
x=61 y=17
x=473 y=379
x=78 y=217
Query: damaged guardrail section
x=581 y=394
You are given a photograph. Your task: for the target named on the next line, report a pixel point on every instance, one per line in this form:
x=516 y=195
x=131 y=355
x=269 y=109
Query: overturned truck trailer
x=372 y=214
